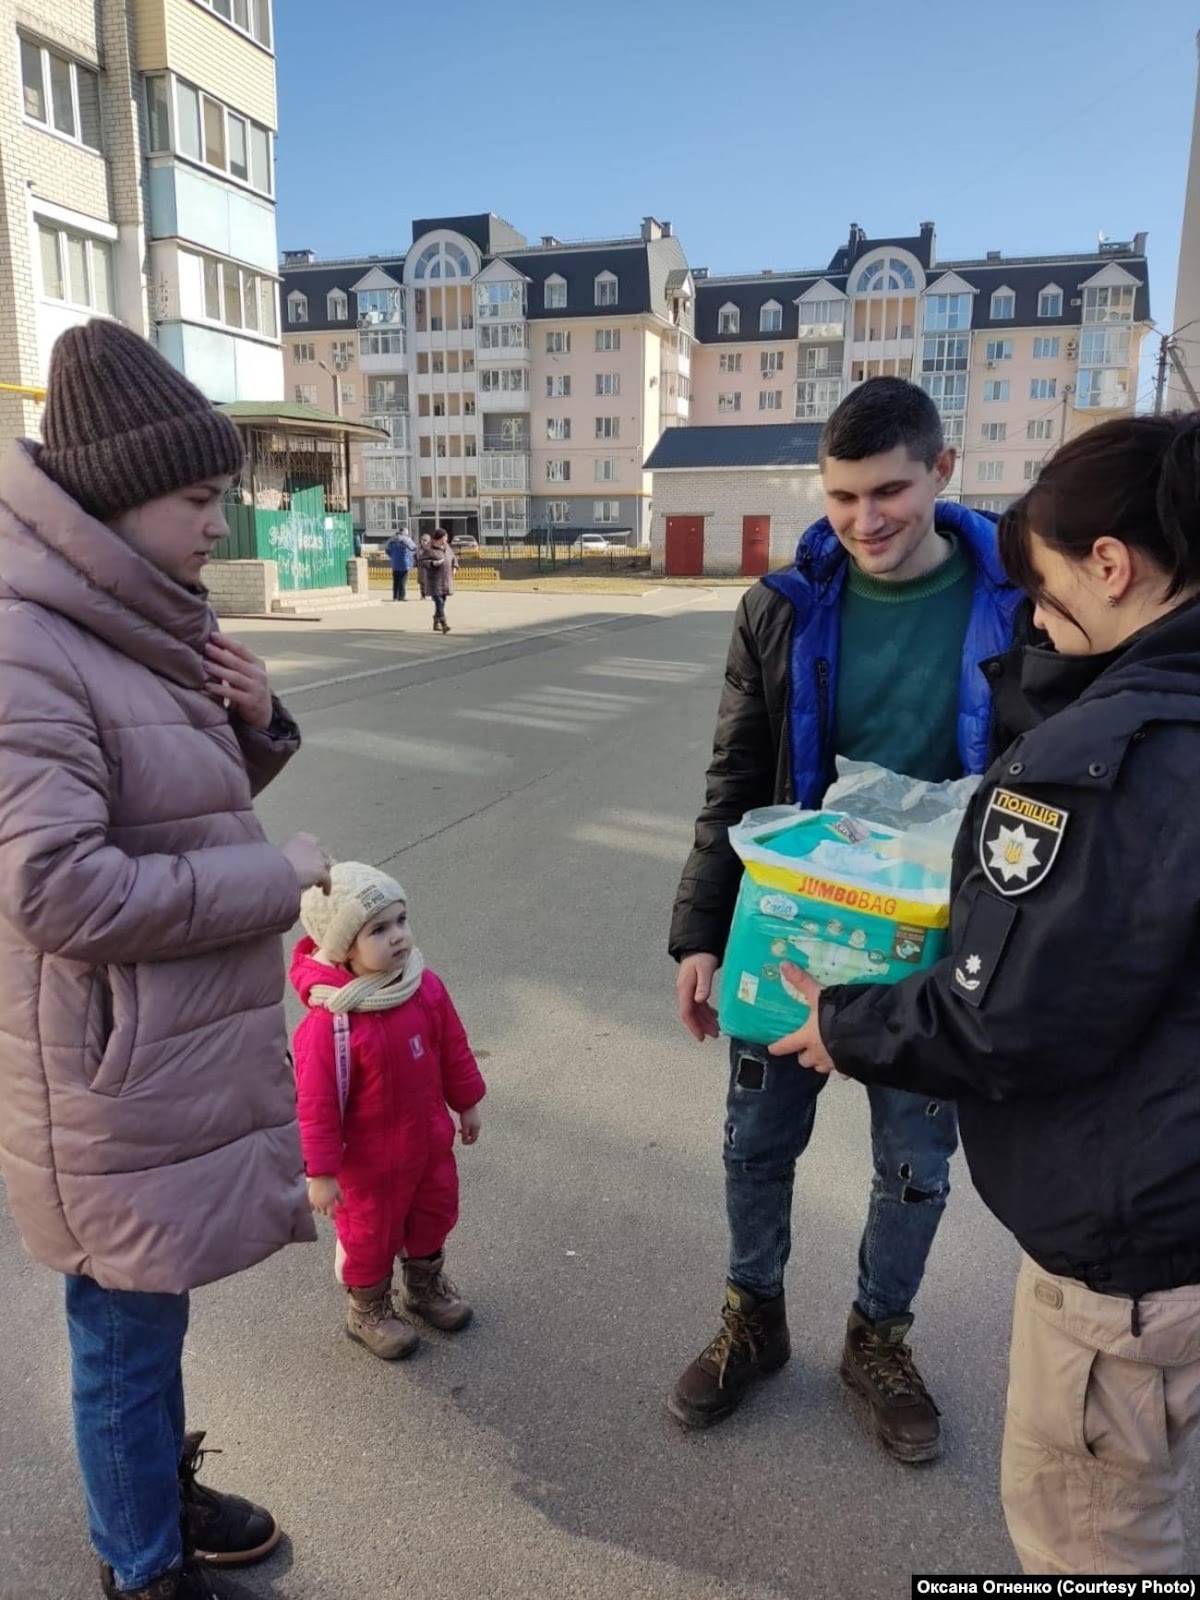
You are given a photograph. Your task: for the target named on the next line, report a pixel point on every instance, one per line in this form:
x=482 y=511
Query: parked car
x=593 y=543
x=464 y=541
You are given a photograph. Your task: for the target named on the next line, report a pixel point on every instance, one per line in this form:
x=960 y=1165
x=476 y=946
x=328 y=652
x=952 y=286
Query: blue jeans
x=127 y=1393
x=770 y=1112
x=439 y=607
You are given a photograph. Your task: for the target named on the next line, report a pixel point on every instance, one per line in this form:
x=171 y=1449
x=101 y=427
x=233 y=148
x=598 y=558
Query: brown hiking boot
x=429 y=1294
x=879 y=1365
x=371 y=1319
x=752 y=1344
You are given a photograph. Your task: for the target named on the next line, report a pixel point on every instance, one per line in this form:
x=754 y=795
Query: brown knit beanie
x=122 y=427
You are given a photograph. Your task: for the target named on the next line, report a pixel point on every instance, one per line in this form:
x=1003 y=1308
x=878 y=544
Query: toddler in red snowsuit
x=379 y=1058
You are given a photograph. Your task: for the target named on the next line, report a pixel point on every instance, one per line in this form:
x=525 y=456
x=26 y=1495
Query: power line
x=1107 y=96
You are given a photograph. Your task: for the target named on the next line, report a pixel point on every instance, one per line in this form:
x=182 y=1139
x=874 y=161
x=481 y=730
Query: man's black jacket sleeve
x=741 y=776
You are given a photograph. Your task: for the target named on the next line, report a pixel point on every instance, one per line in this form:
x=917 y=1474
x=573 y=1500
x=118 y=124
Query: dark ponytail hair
x=1136 y=479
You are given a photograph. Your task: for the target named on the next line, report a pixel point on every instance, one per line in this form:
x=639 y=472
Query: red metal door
x=756 y=546
x=685 y=547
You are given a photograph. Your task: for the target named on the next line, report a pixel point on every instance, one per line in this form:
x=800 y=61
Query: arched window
x=297 y=305
x=729 y=318
x=606 y=288
x=770 y=318
x=554 y=295
x=337 y=306
x=1004 y=304
x=885 y=276
x=442 y=259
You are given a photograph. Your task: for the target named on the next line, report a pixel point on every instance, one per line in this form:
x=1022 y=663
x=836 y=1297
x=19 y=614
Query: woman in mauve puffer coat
x=148 y=1141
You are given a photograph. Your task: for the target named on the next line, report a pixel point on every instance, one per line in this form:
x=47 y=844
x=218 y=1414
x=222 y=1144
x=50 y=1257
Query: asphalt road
x=531 y=780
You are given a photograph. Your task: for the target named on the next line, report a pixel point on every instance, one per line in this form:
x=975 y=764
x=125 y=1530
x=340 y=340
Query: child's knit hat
x=334 y=920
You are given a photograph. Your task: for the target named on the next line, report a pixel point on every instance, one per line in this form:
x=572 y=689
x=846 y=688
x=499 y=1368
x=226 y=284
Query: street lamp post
x=337 y=387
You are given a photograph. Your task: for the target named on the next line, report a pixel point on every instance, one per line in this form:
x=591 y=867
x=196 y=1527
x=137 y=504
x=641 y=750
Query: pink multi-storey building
x=524 y=385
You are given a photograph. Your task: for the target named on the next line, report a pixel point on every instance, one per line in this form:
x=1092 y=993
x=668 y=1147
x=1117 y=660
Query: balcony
x=493 y=400
x=382 y=347
x=1102 y=389
x=454 y=466
x=826 y=331
x=507 y=443
x=395 y=425
x=508 y=472
x=444 y=382
x=461 y=338
x=385 y=475
x=901 y=349
x=500 y=517
x=816 y=398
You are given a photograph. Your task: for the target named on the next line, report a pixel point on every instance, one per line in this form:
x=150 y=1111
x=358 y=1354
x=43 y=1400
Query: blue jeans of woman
x=770 y=1112
x=439 y=607
x=127 y=1395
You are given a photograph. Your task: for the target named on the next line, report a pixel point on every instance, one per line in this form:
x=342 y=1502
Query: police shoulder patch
x=1019 y=841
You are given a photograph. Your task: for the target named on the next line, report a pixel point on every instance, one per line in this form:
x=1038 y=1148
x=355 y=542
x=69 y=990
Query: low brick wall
x=242 y=588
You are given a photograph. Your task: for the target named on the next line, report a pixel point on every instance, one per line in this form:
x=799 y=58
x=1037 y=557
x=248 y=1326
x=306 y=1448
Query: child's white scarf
x=380 y=992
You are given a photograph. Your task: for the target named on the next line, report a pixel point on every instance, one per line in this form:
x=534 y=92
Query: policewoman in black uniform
x=1066 y=1018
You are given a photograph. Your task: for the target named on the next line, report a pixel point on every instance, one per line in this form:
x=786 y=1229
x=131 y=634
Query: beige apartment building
x=522 y=386
x=1020 y=353
x=137 y=181
x=525 y=386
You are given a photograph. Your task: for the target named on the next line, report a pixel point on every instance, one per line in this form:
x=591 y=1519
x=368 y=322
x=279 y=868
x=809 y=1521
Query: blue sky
x=759 y=130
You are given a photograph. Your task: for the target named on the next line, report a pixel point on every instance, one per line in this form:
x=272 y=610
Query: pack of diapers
x=858 y=892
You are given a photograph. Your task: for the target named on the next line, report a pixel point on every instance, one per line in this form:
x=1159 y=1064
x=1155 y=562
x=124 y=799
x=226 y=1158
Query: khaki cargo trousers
x=1098 y=1425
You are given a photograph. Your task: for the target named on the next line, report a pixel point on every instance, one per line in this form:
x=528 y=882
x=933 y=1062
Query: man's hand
x=324 y=1196
x=469 y=1124
x=237 y=677
x=692 y=989
x=806 y=1042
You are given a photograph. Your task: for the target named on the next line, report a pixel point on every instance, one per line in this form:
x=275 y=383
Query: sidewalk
x=473 y=613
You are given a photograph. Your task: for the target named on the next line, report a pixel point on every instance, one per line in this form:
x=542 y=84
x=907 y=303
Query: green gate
x=311 y=545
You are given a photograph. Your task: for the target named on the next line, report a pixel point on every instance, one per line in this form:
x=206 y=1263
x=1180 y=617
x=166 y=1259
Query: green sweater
x=899 y=666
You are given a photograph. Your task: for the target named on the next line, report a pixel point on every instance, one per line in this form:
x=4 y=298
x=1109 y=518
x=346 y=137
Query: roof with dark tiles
x=1025 y=276
x=776 y=444
x=648 y=271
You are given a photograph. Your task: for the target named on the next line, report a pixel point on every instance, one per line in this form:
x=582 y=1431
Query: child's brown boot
x=371 y=1319
x=428 y=1293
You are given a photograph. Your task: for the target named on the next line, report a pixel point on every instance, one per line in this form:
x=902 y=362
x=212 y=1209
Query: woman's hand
x=324 y=1196
x=806 y=1042
x=238 y=678
x=469 y=1123
x=309 y=861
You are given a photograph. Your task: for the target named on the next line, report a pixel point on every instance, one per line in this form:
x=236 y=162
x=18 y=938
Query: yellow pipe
x=34 y=391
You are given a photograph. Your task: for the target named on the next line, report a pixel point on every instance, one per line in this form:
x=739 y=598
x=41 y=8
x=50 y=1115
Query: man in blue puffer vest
x=869 y=647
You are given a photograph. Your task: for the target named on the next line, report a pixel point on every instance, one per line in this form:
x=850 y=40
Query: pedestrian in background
x=379 y=1058
x=1066 y=1018
x=423 y=543
x=439 y=564
x=149 y=1141
x=402 y=554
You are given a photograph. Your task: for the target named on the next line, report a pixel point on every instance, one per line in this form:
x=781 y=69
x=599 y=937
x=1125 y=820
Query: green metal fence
x=310 y=544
